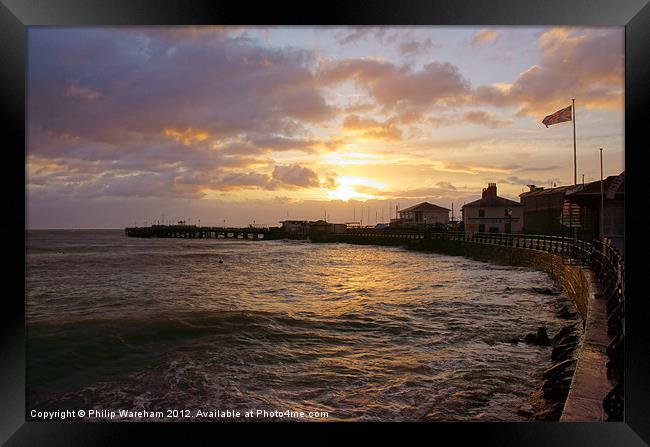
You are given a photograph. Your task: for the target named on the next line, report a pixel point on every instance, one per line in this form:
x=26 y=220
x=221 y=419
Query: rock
x=556 y=389
x=530 y=338
x=552 y=413
x=560 y=370
x=569 y=339
x=542 y=336
x=566 y=313
x=525 y=410
x=545 y=291
x=563 y=332
x=562 y=352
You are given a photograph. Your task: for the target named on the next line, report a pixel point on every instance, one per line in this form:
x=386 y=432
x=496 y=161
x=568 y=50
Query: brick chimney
x=490 y=191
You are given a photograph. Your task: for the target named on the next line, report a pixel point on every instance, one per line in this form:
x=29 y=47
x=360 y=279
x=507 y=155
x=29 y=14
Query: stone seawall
x=590 y=384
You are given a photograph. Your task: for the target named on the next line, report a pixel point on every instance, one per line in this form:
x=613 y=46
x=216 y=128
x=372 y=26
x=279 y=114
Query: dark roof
x=424 y=206
x=492 y=201
x=548 y=191
x=594 y=187
x=587 y=188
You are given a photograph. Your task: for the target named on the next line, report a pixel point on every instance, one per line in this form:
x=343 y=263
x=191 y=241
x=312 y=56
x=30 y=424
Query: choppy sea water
x=361 y=332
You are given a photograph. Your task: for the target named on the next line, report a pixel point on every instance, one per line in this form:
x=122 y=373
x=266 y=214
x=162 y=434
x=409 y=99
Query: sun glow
x=351 y=158
x=346 y=189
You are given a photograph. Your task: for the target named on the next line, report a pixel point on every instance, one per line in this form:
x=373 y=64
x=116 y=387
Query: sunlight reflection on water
x=364 y=332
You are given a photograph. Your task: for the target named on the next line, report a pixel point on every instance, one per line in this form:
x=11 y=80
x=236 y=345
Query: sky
x=136 y=125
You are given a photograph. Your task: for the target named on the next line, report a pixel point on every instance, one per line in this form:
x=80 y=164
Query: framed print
x=340 y=218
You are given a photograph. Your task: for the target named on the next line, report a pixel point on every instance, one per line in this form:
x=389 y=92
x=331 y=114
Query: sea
x=292 y=330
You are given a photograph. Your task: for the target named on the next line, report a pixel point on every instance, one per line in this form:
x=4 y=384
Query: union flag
x=558 y=117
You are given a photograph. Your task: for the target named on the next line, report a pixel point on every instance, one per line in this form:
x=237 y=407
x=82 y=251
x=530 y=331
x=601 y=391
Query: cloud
x=484 y=118
x=539 y=168
x=280 y=143
x=221 y=85
x=484 y=37
x=514 y=180
x=187 y=136
x=392 y=86
x=414 y=47
x=184 y=113
x=239 y=180
x=353 y=35
x=586 y=64
x=370 y=128
x=174 y=111
x=79 y=91
x=296 y=175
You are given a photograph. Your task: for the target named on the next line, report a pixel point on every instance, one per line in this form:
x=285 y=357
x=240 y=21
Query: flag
x=558 y=117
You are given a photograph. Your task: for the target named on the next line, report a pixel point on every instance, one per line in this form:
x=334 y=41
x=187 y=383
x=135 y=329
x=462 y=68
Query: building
x=493 y=214
x=422 y=214
x=588 y=197
x=295 y=227
x=543 y=210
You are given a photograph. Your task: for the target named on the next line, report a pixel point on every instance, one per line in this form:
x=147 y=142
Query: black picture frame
x=17 y=15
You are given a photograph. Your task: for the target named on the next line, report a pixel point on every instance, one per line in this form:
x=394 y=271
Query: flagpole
x=575 y=158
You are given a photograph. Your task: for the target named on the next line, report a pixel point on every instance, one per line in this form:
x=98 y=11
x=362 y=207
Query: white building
x=424 y=213
x=493 y=214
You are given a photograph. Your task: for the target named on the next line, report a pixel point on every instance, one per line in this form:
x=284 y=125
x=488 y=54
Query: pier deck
x=195 y=232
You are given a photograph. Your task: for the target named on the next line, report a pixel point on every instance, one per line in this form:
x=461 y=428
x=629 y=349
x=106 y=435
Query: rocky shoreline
x=547 y=402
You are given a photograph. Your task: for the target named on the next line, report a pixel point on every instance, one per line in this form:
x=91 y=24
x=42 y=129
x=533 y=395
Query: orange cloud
x=187 y=136
x=370 y=128
x=485 y=36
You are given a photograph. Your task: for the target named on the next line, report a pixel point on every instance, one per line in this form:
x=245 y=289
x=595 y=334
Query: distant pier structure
x=199 y=232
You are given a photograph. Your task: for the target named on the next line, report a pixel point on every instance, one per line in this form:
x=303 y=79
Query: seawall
x=590 y=383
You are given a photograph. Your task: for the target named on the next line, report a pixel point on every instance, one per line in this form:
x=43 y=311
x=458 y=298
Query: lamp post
x=602 y=201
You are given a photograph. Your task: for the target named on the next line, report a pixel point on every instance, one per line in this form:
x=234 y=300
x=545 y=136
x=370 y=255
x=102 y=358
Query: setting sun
x=346 y=189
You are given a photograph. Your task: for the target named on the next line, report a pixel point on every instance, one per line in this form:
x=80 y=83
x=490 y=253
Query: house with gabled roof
x=422 y=214
x=493 y=214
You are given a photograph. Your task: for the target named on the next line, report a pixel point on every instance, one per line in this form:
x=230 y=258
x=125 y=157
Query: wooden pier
x=196 y=232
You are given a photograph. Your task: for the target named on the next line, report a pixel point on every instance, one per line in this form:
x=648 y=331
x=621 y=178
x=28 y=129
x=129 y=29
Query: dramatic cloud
x=153 y=99
x=586 y=64
x=234 y=121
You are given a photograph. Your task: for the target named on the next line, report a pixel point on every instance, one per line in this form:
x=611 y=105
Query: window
x=506 y=212
x=481 y=213
x=481 y=228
